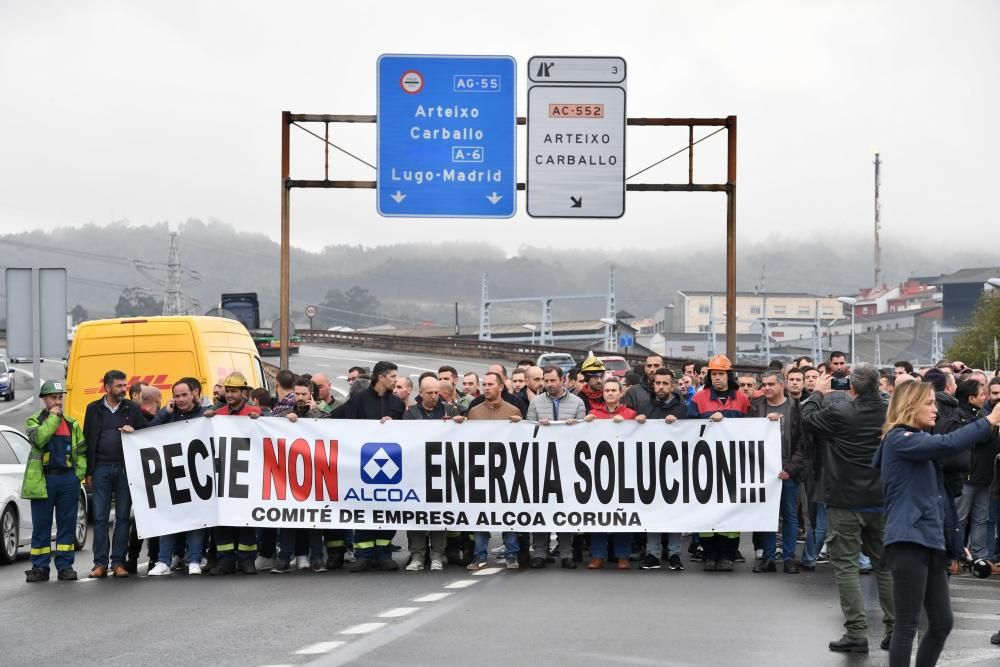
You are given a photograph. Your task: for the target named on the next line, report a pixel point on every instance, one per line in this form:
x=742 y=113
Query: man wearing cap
x=227 y=537
x=56 y=466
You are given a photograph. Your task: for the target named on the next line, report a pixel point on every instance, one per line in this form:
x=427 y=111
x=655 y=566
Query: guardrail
x=466 y=347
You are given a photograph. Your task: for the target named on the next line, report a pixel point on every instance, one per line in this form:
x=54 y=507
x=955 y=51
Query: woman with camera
x=909 y=459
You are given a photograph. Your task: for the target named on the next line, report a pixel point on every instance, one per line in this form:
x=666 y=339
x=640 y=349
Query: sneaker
x=317 y=566
x=697 y=554
x=512 y=564
x=650 y=562
x=739 y=557
x=824 y=558
x=35 y=575
x=675 y=563
x=264 y=563
x=436 y=565
x=416 y=565
x=348 y=556
x=160 y=570
x=759 y=554
x=67 y=574
x=194 y=569
x=476 y=565
x=281 y=566
x=886 y=641
x=176 y=562
x=301 y=562
x=499 y=550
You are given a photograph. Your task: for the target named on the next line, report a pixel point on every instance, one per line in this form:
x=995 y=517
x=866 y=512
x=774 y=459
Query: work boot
x=711 y=565
x=223 y=567
x=596 y=564
x=848 y=645
x=385 y=565
x=361 y=565
x=790 y=567
x=765 y=566
x=886 y=640
x=99 y=572
x=335 y=561
x=724 y=566
x=568 y=564
x=35 y=575
x=247 y=567
x=67 y=574
x=537 y=563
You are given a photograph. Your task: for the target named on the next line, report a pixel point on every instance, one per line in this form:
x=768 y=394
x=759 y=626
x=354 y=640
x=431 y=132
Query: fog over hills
x=417 y=282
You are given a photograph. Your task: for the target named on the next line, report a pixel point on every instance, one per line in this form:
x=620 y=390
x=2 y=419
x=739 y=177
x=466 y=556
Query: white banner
x=598 y=477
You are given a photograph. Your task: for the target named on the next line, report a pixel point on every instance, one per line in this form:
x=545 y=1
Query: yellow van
x=158 y=351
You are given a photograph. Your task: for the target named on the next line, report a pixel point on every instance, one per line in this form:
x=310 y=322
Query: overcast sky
x=157 y=111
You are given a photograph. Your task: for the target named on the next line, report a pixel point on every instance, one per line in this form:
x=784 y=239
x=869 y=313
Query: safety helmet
x=982 y=568
x=592 y=365
x=237 y=380
x=51 y=387
x=719 y=362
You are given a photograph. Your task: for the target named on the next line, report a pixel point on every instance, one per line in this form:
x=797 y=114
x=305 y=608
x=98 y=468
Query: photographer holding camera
x=847 y=433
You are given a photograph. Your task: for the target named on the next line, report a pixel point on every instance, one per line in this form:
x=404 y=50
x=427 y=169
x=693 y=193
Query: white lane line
x=85 y=580
x=363 y=628
x=277 y=666
x=432 y=597
x=462 y=583
x=975 y=617
x=398 y=612
x=971 y=656
x=25 y=401
x=487 y=571
x=976 y=600
x=320 y=647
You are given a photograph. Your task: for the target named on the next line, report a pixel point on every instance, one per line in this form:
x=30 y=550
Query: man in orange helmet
x=717 y=399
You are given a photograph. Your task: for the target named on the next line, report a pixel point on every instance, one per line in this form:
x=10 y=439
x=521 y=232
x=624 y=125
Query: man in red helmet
x=719 y=398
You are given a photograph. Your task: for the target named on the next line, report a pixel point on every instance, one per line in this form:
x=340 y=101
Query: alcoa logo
x=381 y=463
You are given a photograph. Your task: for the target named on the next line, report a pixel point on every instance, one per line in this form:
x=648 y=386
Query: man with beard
x=505 y=395
x=592 y=392
x=718 y=399
x=667 y=405
x=640 y=395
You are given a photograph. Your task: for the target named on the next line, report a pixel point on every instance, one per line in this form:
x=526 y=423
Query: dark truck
x=246 y=308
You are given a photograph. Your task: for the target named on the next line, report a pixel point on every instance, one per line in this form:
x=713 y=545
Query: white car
x=15 y=512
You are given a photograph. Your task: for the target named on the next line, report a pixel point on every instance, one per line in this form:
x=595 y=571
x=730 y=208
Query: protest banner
x=587 y=477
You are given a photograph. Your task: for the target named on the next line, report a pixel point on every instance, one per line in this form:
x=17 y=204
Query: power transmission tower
x=878 y=225
x=484 y=313
x=610 y=334
x=173 y=302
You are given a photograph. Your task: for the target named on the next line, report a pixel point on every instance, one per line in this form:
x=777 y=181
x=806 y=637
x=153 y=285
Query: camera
x=840 y=382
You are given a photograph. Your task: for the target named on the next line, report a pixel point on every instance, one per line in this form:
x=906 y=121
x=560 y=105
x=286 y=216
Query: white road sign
x=576 y=151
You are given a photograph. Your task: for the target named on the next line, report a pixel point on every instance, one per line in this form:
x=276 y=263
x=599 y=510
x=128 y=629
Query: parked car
x=616 y=366
x=15 y=512
x=6 y=380
x=562 y=360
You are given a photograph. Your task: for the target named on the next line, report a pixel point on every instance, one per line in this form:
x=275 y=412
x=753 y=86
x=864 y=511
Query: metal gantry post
x=731 y=239
x=285 y=239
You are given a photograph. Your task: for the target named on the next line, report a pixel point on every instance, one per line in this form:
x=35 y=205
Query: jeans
x=483 y=543
x=974 y=506
x=599 y=545
x=63 y=492
x=919 y=578
x=815 y=536
x=195 y=546
x=109 y=479
x=789 y=523
x=850 y=532
x=991 y=529
x=654 y=544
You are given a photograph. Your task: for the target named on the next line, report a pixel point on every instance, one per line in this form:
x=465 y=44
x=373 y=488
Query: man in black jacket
x=665 y=404
x=846 y=435
x=974 y=504
x=103 y=424
x=639 y=396
x=373 y=548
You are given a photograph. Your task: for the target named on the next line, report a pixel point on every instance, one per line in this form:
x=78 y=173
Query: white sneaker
x=263 y=563
x=501 y=549
x=416 y=565
x=436 y=565
x=194 y=569
x=348 y=556
x=176 y=562
x=758 y=554
x=302 y=562
x=160 y=570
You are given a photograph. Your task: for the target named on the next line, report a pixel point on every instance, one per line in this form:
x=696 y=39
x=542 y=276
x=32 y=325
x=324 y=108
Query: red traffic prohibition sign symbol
x=411 y=82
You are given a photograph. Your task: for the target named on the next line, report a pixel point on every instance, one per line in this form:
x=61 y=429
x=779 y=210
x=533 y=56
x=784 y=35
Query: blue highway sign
x=626 y=341
x=446 y=136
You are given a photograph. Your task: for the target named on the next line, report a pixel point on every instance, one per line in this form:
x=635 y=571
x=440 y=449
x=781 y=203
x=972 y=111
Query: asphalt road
x=13 y=413
x=551 y=616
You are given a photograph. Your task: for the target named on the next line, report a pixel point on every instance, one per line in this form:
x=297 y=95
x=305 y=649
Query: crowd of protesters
x=892 y=472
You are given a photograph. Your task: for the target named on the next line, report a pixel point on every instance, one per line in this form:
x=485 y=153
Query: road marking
x=976 y=600
x=432 y=597
x=398 y=612
x=85 y=580
x=975 y=617
x=25 y=401
x=485 y=572
x=363 y=628
x=461 y=583
x=972 y=657
x=321 y=647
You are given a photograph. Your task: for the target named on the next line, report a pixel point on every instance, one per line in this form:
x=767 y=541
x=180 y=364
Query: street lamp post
x=851 y=302
x=611 y=340
x=531 y=328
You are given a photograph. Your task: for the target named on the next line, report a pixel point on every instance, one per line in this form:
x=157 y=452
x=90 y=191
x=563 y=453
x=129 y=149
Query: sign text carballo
x=446 y=136
x=602 y=476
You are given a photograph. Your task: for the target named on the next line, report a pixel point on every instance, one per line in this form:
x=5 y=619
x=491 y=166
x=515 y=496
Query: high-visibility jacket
x=41 y=427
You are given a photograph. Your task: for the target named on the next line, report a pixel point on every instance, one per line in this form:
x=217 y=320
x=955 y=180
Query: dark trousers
x=239 y=542
x=373 y=545
x=63 y=497
x=919 y=578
